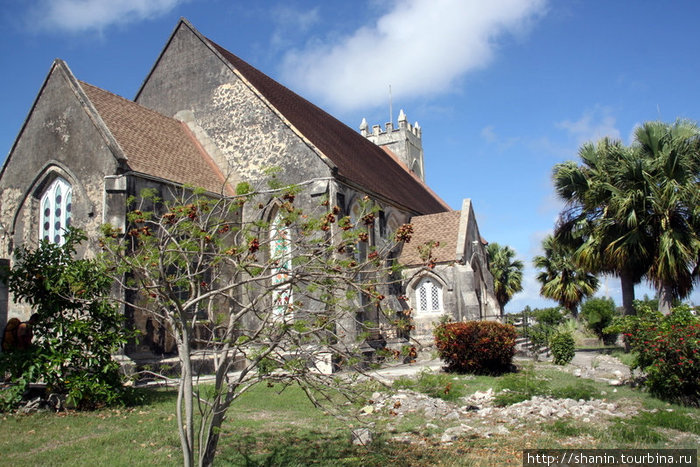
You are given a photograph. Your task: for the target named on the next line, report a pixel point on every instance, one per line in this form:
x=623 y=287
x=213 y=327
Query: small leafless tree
x=256 y=285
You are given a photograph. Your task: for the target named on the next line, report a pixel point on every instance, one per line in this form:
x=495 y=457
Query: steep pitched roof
x=154 y=144
x=357 y=159
x=441 y=227
x=415 y=176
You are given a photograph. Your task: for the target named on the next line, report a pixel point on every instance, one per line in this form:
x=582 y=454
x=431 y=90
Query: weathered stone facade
x=204 y=117
x=457 y=267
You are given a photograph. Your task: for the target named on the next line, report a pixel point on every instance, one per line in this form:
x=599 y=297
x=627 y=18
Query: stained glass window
x=56 y=211
x=281 y=255
x=429 y=296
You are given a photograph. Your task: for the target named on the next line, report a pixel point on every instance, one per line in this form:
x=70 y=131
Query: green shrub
x=479 y=347
x=667 y=349
x=549 y=316
x=598 y=314
x=76 y=328
x=563 y=348
x=547 y=321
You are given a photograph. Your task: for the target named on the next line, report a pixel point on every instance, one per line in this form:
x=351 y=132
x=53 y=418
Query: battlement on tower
x=404 y=141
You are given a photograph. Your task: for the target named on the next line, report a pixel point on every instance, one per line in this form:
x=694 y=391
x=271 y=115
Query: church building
x=203 y=117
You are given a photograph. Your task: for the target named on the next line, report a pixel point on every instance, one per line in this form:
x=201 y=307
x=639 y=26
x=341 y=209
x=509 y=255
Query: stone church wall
x=251 y=137
x=58 y=139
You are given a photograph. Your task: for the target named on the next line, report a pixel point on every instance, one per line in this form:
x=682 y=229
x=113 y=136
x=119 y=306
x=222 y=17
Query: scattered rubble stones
x=476 y=416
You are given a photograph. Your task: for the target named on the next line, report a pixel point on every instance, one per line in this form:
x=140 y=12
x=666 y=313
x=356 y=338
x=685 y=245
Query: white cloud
x=594 y=124
x=420 y=47
x=86 y=15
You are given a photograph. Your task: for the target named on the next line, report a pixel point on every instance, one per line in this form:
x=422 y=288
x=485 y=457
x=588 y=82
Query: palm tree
x=606 y=199
x=635 y=212
x=507 y=273
x=562 y=280
x=670 y=154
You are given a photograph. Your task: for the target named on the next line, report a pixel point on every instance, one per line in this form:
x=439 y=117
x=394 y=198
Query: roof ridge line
x=416 y=177
x=218 y=48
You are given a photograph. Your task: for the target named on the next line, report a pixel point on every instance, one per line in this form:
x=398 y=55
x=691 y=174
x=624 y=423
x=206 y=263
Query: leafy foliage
x=547 y=320
x=598 y=314
x=479 y=347
x=668 y=351
x=507 y=272
x=632 y=211
x=271 y=282
x=76 y=327
x=562 y=346
x=561 y=277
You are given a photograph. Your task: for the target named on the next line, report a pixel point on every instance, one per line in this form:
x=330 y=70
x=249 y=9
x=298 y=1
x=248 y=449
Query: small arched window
x=429 y=296
x=56 y=211
x=281 y=256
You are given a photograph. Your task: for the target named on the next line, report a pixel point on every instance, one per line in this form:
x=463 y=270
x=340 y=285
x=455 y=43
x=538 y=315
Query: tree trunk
x=574 y=312
x=211 y=426
x=208 y=447
x=665 y=299
x=184 y=398
x=627 y=285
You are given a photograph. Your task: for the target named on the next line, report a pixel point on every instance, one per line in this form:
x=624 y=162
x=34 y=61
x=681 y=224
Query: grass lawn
x=266 y=428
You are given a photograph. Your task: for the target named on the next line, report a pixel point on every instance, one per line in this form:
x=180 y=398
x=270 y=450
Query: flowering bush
x=481 y=347
x=668 y=351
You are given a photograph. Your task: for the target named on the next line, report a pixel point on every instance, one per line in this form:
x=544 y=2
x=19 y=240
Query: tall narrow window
x=281 y=255
x=429 y=296
x=56 y=211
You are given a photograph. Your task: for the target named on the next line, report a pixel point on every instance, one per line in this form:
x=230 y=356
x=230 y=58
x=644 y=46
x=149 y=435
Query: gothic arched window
x=56 y=210
x=281 y=255
x=429 y=296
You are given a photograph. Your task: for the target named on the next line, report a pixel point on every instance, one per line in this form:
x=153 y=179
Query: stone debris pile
x=540 y=409
x=405 y=402
x=476 y=416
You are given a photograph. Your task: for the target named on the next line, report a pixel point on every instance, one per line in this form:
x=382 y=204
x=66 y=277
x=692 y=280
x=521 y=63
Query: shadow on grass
x=152 y=396
x=302 y=447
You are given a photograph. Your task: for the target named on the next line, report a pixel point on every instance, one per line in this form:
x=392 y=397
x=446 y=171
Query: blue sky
x=503 y=89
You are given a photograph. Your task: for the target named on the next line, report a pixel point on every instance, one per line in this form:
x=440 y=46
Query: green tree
x=670 y=157
x=256 y=284
x=544 y=325
x=76 y=327
x=634 y=211
x=507 y=273
x=598 y=313
x=562 y=280
x=604 y=203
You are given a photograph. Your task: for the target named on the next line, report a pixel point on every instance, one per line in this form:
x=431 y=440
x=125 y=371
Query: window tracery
x=281 y=254
x=429 y=296
x=56 y=211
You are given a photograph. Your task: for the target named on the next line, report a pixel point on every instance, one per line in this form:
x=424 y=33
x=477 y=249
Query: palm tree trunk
x=627 y=285
x=665 y=299
x=574 y=312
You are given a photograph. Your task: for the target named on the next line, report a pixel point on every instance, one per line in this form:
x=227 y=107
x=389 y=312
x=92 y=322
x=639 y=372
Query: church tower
x=404 y=141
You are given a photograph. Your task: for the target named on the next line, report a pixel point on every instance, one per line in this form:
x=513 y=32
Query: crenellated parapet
x=405 y=141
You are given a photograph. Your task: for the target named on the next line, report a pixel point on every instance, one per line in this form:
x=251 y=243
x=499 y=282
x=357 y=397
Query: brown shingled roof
x=358 y=160
x=441 y=227
x=154 y=144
